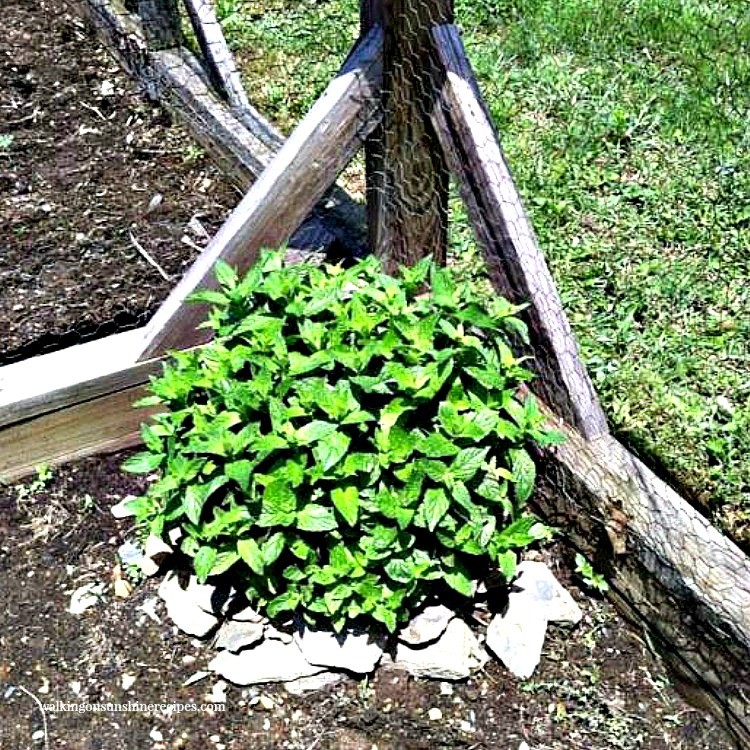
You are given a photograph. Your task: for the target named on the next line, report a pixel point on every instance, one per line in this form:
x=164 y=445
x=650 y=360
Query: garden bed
x=598 y=687
x=88 y=169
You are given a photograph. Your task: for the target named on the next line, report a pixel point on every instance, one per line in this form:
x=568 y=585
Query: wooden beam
x=68 y=377
x=674 y=574
x=105 y=424
x=504 y=231
x=407 y=175
x=216 y=53
x=161 y=23
x=301 y=172
x=242 y=143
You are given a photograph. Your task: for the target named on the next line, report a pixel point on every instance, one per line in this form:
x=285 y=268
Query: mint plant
x=348 y=442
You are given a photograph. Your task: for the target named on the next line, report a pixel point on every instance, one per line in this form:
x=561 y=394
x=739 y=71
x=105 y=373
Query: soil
x=85 y=162
x=598 y=686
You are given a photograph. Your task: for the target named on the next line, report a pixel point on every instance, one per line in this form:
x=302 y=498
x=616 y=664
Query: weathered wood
x=504 y=231
x=407 y=175
x=301 y=172
x=216 y=53
x=105 y=424
x=242 y=143
x=71 y=376
x=671 y=571
x=161 y=23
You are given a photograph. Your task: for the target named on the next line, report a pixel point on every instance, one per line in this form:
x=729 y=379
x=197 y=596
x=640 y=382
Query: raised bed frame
x=680 y=579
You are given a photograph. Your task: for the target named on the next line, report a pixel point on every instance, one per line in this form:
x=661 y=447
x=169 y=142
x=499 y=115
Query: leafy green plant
x=590 y=577
x=347 y=442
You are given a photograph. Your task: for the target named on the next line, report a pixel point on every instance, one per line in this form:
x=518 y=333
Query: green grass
x=626 y=124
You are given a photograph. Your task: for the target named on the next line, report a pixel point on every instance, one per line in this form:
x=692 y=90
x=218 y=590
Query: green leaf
x=279 y=505
x=286 y=602
x=468 y=462
x=224 y=561
x=250 y=553
x=435 y=506
x=314 y=431
x=330 y=451
x=524 y=474
x=240 y=472
x=225 y=274
x=507 y=562
x=316 y=518
x=273 y=548
x=436 y=445
x=457 y=577
x=203 y=562
x=346 y=502
x=143 y=463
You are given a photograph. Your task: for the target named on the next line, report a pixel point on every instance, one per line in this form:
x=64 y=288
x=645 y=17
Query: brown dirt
x=598 y=687
x=86 y=158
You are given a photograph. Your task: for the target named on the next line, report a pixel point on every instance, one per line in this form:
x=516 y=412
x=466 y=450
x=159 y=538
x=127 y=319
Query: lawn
x=626 y=124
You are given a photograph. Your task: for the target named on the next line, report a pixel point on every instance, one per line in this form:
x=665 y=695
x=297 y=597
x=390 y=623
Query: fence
x=407 y=95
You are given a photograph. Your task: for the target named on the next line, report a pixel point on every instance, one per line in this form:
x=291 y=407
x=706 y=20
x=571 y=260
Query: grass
x=626 y=124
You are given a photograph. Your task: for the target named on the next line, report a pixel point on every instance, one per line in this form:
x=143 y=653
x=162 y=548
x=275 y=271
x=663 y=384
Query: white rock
x=275 y=634
x=427 y=626
x=270 y=661
x=434 y=714
x=183 y=606
x=517 y=638
x=354 y=651
x=156 y=735
x=127 y=681
x=85 y=597
x=155 y=553
x=536 y=585
x=196 y=677
x=120 y=510
x=316 y=682
x=130 y=553
x=236 y=635
x=248 y=614
x=453 y=657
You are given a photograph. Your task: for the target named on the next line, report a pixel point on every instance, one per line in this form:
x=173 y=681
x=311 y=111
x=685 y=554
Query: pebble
x=434 y=714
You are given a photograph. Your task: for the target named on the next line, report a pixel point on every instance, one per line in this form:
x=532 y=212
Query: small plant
x=347 y=442
x=38 y=484
x=590 y=577
x=6 y=141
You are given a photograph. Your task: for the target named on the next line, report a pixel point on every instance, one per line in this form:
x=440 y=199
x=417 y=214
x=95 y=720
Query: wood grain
x=516 y=263
x=407 y=176
x=105 y=424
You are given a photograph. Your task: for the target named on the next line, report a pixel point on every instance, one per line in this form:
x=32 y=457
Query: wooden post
x=407 y=191
x=161 y=23
x=516 y=263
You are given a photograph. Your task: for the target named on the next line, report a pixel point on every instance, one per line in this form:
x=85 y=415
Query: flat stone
x=350 y=650
x=235 y=635
x=85 y=597
x=517 y=638
x=120 y=510
x=274 y=634
x=310 y=684
x=537 y=586
x=454 y=656
x=183 y=606
x=427 y=626
x=248 y=614
x=155 y=553
x=270 y=661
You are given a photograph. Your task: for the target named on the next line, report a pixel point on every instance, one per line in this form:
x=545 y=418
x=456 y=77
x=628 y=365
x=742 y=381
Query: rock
x=129 y=553
x=427 y=626
x=122 y=588
x=434 y=714
x=154 y=554
x=354 y=651
x=235 y=635
x=453 y=657
x=248 y=614
x=270 y=661
x=127 y=681
x=517 y=638
x=275 y=634
x=121 y=509
x=537 y=586
x=184 y=606
x=316 y=682
x=175 y=535
x=85 y=597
